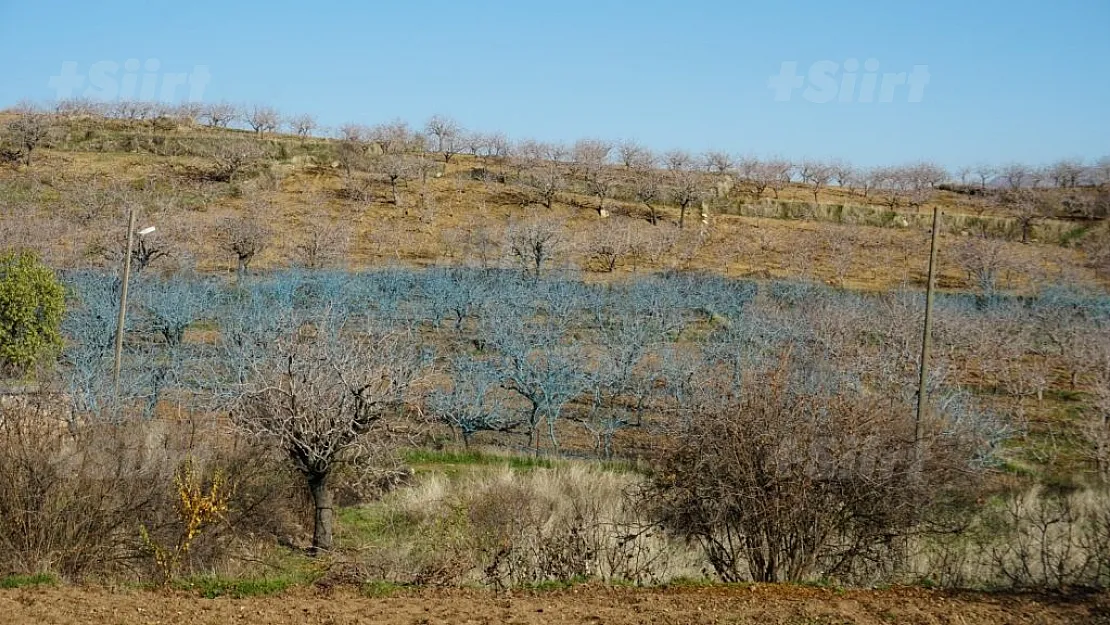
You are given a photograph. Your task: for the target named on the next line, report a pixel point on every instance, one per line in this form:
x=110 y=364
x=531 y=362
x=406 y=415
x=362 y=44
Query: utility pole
x=123 y=300
x=926 y=336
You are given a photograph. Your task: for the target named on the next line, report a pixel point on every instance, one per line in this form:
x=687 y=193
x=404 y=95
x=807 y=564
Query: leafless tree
x=188 y=113
x=1038 y=176
x=325 y=243
x=318 y=398
x=220 y=114
x=539 y=173
x=499 y=145
x=648 y=186
x=245 y=236
x=533 y=243
x=963 y=173
x=1067 y=173
x=610 y=243
x=391 y=137
x=778 y=483
x=844 y=174
x=893 y=181
x=985 y=262
x=25 y=133
x=683 y=181
x=816 y=174
x=776 y=173
x=1015 y=174
x=476 y=143
x=1027 y=210
x=447 y=135
x=262 y=119
x=985 y=173
x=631 y=153
x=1099 y=173
x=718 y=162
x=146 y=250
x=591 y=162
x=350 y=132
x=231 y=156
x=395 y=168
x=302 y=125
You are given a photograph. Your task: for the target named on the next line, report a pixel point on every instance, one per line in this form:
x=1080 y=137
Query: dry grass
x=456 y=219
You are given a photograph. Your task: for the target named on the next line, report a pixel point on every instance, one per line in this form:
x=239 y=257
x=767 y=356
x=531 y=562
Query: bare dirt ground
x=593 y=605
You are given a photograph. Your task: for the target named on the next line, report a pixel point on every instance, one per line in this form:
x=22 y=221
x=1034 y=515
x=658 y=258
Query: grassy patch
x=212 y=586
x=376 y=523
x=429 y=457
x=555 y=584
x=380 y=589
x=690 y=582
x=21 y=581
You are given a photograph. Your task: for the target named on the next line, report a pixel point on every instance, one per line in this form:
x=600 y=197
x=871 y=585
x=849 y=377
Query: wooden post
x=926 y=336
x=123 y=301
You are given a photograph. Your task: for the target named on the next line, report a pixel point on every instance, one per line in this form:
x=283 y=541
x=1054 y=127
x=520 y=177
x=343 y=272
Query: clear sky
x=1001 y=81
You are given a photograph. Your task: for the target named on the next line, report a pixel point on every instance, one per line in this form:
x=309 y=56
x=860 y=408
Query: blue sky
x=1007 y=80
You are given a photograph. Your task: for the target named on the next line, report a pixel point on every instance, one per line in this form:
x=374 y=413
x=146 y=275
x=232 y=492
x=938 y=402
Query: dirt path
x=593 y=605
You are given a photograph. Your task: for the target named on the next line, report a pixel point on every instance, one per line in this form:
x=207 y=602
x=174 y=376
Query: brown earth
x=593 y=605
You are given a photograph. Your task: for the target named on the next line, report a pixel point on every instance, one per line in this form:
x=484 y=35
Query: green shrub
x=32 y=302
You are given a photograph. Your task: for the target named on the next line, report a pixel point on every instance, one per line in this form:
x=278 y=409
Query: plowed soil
x=592 y=605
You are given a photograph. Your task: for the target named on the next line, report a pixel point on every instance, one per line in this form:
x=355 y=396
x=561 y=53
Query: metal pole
x=123 y=300
x=926 y=335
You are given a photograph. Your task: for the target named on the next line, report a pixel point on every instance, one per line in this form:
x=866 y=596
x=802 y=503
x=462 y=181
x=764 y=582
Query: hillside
x=330 y=202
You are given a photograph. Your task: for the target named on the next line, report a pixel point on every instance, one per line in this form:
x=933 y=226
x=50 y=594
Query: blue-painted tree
x=473 y=402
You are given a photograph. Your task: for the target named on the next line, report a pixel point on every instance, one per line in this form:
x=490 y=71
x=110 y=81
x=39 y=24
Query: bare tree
x=684 y=181
x=776 y=174
x=245 y=236
x=844 y=174
x=499 y=145
x=816 y=174
x=394 y=168
x=220 y=114
x=1015 y=174
x=985 y=262
x=262 y=119
x=985 y=173
x=963 y=173
x=25 y=133
x=648 y=186
x=476 y=143
x=324 y=244
x=631 y=153
x=302 y=125
x=717 y=162
x=591 y=162
x=1099 y=173
x=231 y=156
x=318 y=397
x=391 y=137
x=533 y=243
x=1027 y=210
x=1067 y=173
x=611 y=243
x=539 y=170
x=447 y=135
x=777 y=482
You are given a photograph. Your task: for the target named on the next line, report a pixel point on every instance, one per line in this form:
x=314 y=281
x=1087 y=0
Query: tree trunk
x=323 y=525
x=244 y=262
